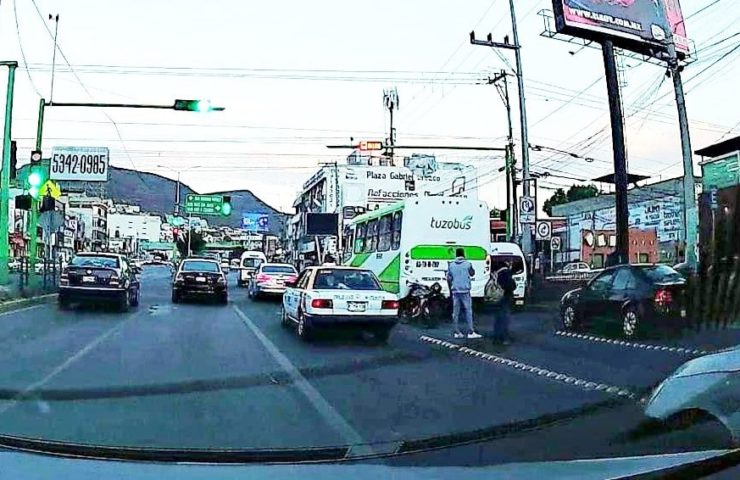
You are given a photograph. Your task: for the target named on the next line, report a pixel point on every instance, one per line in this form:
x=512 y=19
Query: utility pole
x=620 y=155
x=54 y=54
x=690 y=214
x=390 y=100
x=5 y=176
x=527 y=243
x=510 y=157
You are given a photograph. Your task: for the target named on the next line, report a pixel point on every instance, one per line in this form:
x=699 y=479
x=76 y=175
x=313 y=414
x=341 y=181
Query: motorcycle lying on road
x=424 y=304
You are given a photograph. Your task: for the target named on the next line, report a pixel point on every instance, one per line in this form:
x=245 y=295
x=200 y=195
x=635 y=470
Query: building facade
x=93 y=212
x=654 y=208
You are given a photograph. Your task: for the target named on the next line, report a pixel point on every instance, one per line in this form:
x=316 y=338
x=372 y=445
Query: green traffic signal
x=37 y=176
x=226 y=206
x=196 y=106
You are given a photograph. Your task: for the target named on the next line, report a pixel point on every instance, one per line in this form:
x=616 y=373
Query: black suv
x=99 y=277
x=200 y=277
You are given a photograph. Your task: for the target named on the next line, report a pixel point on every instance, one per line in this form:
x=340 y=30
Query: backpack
x=493 y=292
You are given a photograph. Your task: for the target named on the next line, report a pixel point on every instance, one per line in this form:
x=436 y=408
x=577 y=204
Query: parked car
x=575 y=267
x=96 y=277
x=339 y=296
x=201 y=278
x=635 y=296
x=270 y=278
x=705 y=387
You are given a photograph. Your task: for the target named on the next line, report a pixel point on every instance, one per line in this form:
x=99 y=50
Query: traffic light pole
x=33 y=213
x=5 y=177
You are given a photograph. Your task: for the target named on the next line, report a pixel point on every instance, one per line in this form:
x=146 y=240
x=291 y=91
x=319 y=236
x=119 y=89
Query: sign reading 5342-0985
x=85 y=164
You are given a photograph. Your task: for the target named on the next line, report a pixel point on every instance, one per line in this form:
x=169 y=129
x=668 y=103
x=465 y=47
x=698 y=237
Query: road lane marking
x=557 y=376
x=358 y=444
x=625 y=343
x=24 y=309
x=67 y=363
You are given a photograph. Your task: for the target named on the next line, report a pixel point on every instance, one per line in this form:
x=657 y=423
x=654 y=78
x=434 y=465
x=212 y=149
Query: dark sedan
x=201 y=278
x=634 y=296
x=99 y=277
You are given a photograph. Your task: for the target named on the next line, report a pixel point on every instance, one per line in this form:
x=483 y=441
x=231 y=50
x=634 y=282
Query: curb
x=27 y=302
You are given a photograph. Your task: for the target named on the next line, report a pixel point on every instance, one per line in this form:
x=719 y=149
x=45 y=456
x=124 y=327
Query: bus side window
x=396 y=234
x=360 y=238
x=349 y=240
x=385 y=232
x=371 y=240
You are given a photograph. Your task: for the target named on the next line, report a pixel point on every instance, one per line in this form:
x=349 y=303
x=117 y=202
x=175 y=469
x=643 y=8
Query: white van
x=510 y=252
x=248 y=265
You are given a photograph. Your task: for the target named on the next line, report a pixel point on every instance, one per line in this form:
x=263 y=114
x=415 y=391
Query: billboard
x=322 y=223
x=637 y=25
x=256 y=222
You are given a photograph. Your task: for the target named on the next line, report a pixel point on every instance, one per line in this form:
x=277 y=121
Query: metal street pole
x=177 y=196
x=620 y=155
x=527 y=231
x=33 y=213
x=5 y=177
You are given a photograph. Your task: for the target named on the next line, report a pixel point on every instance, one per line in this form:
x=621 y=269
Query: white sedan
x=705 y=387
x=339 y=296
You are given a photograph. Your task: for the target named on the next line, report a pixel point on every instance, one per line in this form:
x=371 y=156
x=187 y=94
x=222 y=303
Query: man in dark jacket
x=505 y=279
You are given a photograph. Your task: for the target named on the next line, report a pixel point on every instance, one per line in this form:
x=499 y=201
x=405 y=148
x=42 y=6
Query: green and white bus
x=413 y=241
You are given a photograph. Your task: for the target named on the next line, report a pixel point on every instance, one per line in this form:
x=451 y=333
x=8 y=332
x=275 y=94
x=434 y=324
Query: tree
x=575 y=193
x=197 y=244
x=558 y=198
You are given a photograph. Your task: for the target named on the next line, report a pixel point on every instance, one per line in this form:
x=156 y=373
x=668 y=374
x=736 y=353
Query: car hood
x=723 y=361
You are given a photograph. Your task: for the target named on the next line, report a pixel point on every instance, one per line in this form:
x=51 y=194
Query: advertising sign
x=84 y=164
x=638 y=25
x=256 y=222
x=322 y=223
x=373 y=187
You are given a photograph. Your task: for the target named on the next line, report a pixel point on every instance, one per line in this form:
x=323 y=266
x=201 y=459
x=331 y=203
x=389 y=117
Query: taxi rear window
x=330 y=279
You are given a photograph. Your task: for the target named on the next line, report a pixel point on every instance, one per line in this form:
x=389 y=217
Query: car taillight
x=663 y=298
x=321 y=303
x=221 y=279
x=179 y=278
x=389 y=305
x=64 y=278
x=263 y=277
x=113 y=280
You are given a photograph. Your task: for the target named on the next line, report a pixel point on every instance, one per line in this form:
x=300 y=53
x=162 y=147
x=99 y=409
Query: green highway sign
x=208 y=205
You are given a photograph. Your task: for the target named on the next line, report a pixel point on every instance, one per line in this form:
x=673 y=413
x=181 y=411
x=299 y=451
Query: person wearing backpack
x=507 y=285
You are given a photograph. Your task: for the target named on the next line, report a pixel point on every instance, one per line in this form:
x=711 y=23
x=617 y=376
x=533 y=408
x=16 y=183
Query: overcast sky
x=295 y=76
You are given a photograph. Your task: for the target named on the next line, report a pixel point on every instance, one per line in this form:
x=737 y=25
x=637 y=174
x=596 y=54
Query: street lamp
x=177 y=190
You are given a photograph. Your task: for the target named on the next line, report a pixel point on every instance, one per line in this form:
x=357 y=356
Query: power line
x=23 y=53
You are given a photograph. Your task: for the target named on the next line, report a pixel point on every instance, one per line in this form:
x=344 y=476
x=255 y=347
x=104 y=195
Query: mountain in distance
x=156 y=194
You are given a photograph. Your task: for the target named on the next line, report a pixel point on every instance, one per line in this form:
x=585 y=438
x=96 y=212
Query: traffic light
x=196 y=106
x=226 y=206
x=13 y=159
x=37 y=176
x=23 y=202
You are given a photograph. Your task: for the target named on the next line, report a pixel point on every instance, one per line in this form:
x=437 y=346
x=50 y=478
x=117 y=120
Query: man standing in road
x=505 y=279
x=459 y=274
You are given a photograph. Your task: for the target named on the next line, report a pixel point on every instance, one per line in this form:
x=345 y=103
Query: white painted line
x=644 y=346
x=24 y=309
x=559 y=377
x=67 y=363
x=319 y=403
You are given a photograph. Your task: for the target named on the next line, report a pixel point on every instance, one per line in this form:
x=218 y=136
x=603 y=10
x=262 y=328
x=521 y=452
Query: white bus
x=413 y=241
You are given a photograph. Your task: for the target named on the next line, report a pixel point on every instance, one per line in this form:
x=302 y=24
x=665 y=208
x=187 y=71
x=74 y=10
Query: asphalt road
x=210 y=376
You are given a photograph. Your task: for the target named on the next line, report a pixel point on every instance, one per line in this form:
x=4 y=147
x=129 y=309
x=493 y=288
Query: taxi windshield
x=338 y=279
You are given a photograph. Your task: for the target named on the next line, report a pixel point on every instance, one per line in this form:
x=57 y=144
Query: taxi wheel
x=223 y=299
x=176 y=297
x=136 y=298
x=305 y=332
x=285 y=322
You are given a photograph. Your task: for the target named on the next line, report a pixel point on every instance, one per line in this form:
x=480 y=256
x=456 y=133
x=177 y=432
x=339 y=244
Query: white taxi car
x=330 y=296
